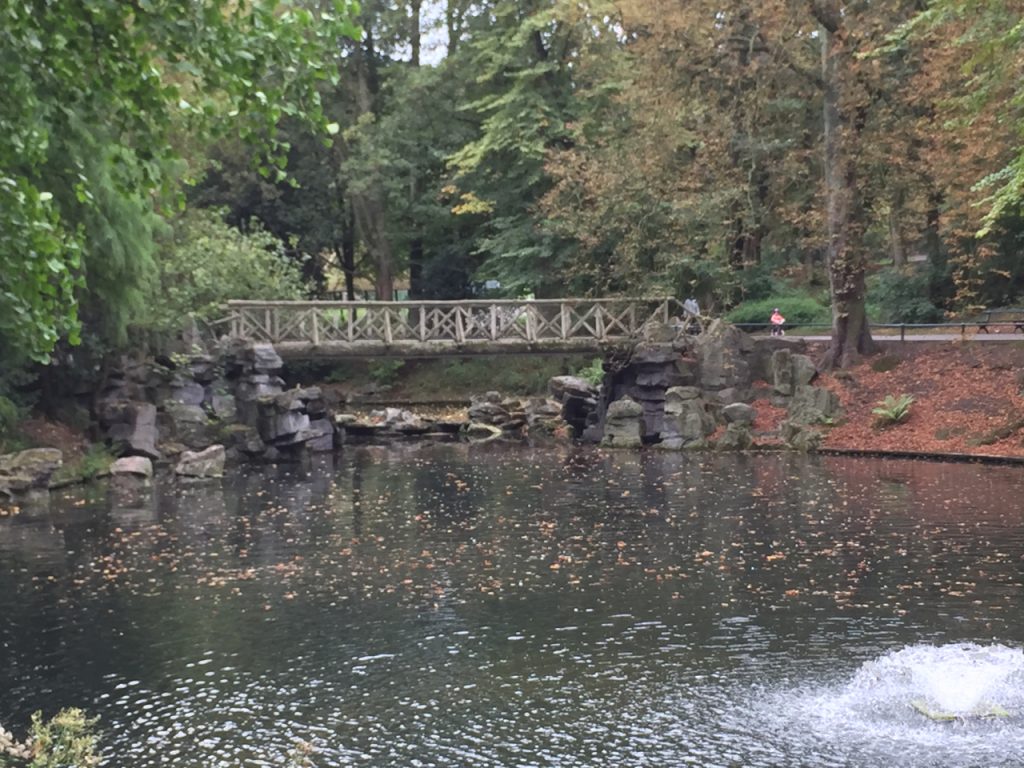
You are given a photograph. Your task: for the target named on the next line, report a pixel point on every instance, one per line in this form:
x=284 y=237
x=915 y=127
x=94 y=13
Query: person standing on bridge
x=777 y=322
x=691 y=315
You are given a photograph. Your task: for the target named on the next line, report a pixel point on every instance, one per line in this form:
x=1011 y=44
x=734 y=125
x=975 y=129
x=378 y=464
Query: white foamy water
x=871 y=719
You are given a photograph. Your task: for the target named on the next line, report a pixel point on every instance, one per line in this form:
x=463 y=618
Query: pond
x=448 y=605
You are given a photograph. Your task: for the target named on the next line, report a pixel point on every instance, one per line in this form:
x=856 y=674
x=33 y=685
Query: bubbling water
x=879 y=715
x=963 y=680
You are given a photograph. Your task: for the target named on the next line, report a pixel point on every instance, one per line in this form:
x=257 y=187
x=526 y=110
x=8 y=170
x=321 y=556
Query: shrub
x=593 y=374
x=893 y=410
x=798 y=310
x=90 y=465
x=68 y=740
x=206 y=262
x=385 y=372
x=10 y=415
x=902 y=296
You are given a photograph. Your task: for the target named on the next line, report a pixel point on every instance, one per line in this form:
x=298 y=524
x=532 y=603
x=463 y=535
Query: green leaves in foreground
x=893 y=410
x=89 y=143
x=68 y=740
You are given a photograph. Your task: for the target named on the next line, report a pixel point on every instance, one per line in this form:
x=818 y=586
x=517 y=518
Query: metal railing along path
x=919 y=331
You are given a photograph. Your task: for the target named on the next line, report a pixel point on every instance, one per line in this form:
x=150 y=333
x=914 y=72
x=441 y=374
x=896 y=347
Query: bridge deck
x=325 y=329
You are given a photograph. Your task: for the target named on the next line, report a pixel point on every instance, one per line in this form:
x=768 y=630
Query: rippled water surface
x=454 y=606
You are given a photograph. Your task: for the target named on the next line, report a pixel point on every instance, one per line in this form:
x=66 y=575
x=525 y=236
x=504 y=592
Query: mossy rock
x=885 y=363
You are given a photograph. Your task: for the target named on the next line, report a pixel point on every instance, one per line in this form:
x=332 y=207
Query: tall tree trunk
x=348 y=253
x=368 y=205
x=845 y=258
x=414 y=31
x=454 y=14
x=896 y=249
x=416 y=244
x=932 y=237
x=416 y=290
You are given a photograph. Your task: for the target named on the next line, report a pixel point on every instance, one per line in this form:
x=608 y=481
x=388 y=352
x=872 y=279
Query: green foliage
x=594 y=373
x=87 y=142
x=893 y=410
x=205 y=262
x=92 y=464
x=10 y=415
x=798 y=310
x=902 y=296
x=521 y=95
x=385 y=372
x=68 y=740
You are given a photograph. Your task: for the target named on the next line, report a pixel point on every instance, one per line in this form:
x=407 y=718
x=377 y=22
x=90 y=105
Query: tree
x=845 y=213
x=191 y=282
x=90 y=141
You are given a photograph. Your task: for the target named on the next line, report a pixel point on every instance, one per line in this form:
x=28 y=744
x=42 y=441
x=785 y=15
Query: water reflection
x=460 y=605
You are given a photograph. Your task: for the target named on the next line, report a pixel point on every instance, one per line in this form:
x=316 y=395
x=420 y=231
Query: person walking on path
x=777 y=322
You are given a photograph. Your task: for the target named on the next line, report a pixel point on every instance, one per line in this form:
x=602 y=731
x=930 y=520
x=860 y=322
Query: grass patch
x=95 y=461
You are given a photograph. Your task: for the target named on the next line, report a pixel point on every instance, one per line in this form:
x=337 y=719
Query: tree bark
x=454 y=15
x=414 y=31
x=896 y=249
x=845 y=256
x=348 y=253
x=368 y=206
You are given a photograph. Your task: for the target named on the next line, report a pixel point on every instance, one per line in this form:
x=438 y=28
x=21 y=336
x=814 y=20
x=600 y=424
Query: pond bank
x=968 y=404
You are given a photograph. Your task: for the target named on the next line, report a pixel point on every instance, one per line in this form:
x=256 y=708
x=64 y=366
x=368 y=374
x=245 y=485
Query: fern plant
x=893 y=410
x=593 y=374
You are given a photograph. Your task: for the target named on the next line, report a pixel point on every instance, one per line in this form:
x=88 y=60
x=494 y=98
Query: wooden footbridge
x=338 y=329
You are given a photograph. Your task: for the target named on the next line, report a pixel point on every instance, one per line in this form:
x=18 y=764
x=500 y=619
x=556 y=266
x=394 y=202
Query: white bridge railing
x=354 y=325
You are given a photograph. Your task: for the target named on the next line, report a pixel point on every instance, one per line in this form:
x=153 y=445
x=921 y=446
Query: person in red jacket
x=777 y=322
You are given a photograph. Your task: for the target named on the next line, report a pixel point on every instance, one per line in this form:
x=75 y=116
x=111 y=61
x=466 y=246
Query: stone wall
x=162 y=408
x=677 y=390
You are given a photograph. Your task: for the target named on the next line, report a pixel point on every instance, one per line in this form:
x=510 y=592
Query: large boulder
x=813 y=405
x=721 y=352
x=623 y=425
x=789 y=370
x=201 y=465
x=801 y=437
x=285 y=419
x=223 y=407
x=687 y=422
x=660 y=333
x=738 y=413
x=131 y=473
x=735 y=438
x=263 y=358
x=782 y=372
x=287 y=427
x=544 y=417
x=578 y=399
x=144 y=434
x=245 y=440
x=28 y=472
x=203 y=368
x=186 y=390
x=765 y=347
x=804 y=370
x=488 y=409
x=564 y=387
x=189 y=424
x=322 y=440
